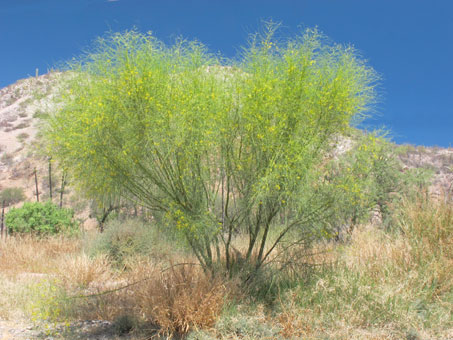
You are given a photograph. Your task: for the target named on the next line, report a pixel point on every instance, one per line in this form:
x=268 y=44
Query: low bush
x=41 y=219
x=124 y=324
x=122 y=240
x=48 y=306
x=22 y=136
x=7 y=158
x=243 y=322
x=12 y=196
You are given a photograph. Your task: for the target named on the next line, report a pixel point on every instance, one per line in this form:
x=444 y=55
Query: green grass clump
x=243 y=326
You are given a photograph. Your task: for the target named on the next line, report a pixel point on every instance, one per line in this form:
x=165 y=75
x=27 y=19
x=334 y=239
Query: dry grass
x=293 y=322
x=176 y=300
x=380 y=285
x=82 y=271
x=428 y=225
x=14 y=296
x=182 y=299
x=56 y=261
x=430 y=222
x=383 y=285
x=34 y=255
x=377 y=253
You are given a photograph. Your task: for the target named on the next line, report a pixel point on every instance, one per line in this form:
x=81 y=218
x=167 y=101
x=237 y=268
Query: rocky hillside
x=23 y=104
x=22 y=107
x=438 y=160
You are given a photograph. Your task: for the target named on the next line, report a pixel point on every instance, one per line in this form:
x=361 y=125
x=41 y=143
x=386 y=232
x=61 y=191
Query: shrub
x=22 y=125
x=365 y=178
x=12 y=196
x=124 y=324
x=40 y=218
x=122 y=240
x=40 y=114
x=22 y=136
x=7 y=159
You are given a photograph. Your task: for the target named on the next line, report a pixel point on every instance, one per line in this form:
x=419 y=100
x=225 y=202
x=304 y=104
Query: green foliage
x=40 y=218
x=416 y=181
x=124 y=240
x=367 y=177
x=12 y=196
x=244 y=325
x=370 y=178
x=124 y=324
x=216 y=149
x=49 y=306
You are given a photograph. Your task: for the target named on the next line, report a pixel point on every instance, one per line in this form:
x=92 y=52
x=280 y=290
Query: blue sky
x=408 y=42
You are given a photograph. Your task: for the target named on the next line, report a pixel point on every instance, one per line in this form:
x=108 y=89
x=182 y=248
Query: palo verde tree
x=365 y=179
x=216 y=149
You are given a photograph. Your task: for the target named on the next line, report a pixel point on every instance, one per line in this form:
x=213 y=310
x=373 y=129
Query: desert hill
x=22 y=107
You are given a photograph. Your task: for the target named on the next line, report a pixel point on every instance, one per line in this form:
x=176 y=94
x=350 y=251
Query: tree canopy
x=214 y=147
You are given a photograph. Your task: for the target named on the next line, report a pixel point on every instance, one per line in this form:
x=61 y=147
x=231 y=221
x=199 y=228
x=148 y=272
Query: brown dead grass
x=377 y=275
x=176 y=299
x=20 y=254
x=182 y=299
x=387 y=277
x=81 y=271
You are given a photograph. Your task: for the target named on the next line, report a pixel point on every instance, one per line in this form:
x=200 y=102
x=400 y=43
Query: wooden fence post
x=3 y=219
x=50 y=178
x=63 y=183
x=36 y=185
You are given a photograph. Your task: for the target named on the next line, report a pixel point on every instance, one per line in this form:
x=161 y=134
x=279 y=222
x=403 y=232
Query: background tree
x=11 y=196
x=215 y=151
